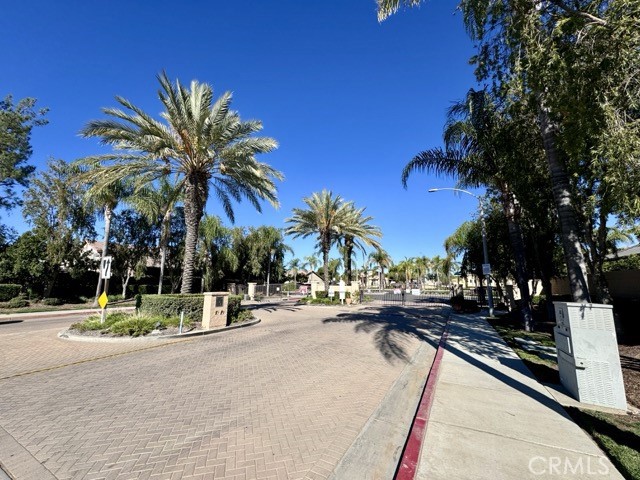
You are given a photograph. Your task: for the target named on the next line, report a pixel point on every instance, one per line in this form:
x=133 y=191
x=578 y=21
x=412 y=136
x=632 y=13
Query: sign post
x=342 y=291
x=105 y=272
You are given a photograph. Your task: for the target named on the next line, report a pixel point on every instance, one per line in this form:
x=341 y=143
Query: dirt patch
x=630 y=361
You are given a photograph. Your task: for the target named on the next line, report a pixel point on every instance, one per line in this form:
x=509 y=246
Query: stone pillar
x=251 y=290
x=214 y=313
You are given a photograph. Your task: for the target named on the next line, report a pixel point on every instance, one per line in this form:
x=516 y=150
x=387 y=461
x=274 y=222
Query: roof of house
x=625 y=252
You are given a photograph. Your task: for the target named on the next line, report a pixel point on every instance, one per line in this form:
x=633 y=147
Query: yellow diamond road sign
x=103 y=300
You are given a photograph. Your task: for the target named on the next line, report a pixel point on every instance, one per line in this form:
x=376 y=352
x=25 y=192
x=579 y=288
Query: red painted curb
x=411 y=454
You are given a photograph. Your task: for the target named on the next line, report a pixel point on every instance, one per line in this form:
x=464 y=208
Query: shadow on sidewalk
x=6 y=322
x=393 y=327
x=471 y=337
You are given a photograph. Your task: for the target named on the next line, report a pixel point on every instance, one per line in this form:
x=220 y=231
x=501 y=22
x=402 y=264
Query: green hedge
x=172 y=305
x=233 y=310
x=9 y=291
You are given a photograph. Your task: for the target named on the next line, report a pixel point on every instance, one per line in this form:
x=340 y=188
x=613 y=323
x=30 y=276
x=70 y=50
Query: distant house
x=315 y=278
x=93 y=249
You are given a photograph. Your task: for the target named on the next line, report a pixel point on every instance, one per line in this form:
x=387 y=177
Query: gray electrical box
x=588 y=357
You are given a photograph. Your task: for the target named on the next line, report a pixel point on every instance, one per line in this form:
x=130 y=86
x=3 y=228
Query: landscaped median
x=163 y=316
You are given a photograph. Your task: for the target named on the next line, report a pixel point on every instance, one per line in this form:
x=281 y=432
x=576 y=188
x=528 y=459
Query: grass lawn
x=617 y=435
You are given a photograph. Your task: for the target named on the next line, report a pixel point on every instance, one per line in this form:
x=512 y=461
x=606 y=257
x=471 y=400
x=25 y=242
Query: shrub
x=322 y=294
x=233 y=309
x=93 y=322
x=172 y=305
x=243 y=315
x=18 y=302
x=9 y=291
x=134 y=326
x=52 y=301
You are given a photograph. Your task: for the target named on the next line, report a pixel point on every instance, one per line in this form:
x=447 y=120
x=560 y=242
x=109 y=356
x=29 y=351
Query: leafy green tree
x=158 y=204
x=480 y=150
x=54 y=204
x=575 y=65
x=266 y=249
x=132 y=237
x=216 y=252
x=16 y=123
x=104 y=199
x=202 y=142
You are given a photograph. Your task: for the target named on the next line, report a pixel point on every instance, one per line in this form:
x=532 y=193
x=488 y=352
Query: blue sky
x=349 y=100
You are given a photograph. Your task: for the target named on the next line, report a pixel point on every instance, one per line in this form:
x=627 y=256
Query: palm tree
x=216 y=251
x=311 y=261
x=356 y=233
x=202 y=142
x=482 y=21
x=105 y=199
x=159 y=204
x=324 y=218
x=478 y=151
x=382 y=259
x=295 y=264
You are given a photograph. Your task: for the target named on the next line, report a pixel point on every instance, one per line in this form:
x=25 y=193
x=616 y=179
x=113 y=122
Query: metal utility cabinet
x=588 y=357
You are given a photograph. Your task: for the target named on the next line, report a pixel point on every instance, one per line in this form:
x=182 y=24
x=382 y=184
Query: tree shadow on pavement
x=6 y=322
x=393 y=328
x=473 y=340
x=273 y=307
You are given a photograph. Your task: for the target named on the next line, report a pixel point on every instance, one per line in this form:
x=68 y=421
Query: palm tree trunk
x=348 y=245
x=195 y=196
x=164 y=243
x=573 y=254
x=517 y=243
x=325 y=257
x=108 y=215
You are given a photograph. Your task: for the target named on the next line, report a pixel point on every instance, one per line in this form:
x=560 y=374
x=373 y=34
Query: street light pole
x=485 y=249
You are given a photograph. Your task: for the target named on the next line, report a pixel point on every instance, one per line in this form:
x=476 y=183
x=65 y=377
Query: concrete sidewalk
x=491 y=419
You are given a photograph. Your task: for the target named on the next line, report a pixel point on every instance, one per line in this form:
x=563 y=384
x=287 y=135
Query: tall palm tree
x=383 y=260
x=311 y=261
x=104 y=199
x=158 y=203
x=295 y=264
x=356 y=232
x=478 y=151
x=324 y=218
x=481 y=19
x=200 y=140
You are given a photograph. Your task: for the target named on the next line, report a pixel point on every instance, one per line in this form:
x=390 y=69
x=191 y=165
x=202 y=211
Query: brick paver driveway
x=281 y=399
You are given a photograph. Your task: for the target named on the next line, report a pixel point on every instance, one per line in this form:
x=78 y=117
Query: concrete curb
x=378 y=448
x=408 y=466
x=67 y=335
x=17 y=462
x=8 y=317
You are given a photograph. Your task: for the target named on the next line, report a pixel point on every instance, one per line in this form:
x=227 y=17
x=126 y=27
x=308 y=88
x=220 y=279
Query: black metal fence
x=417 y=298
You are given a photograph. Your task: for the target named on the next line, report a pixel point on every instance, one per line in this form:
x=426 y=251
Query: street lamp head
x=431 y=190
